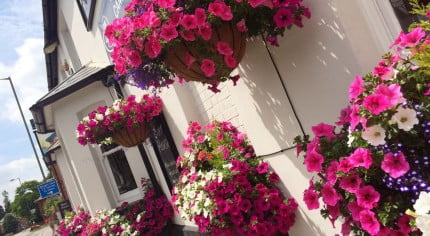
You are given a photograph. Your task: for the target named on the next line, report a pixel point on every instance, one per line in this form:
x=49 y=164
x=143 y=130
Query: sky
x=22 y=59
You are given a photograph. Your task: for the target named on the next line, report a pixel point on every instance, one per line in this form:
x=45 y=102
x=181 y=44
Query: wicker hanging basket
x=226 y=32
x=130 y=138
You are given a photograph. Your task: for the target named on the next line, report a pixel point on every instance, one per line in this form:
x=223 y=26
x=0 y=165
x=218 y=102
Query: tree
x=24 y=201
x=2 y=212
x=6 y=201
x=10 y=223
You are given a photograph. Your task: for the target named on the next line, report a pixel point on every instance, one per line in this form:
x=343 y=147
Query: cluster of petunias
x=142 y=38
x=422 y=213
x=225 y=189
x=373 y=168
x=99 y=126
x=146 y=217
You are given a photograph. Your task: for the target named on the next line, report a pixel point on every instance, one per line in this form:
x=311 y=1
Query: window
x=119 y=172
x=402 y=9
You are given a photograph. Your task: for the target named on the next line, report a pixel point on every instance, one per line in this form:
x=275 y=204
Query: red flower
x=208 y=67
x=168 y=32
x=283 y=18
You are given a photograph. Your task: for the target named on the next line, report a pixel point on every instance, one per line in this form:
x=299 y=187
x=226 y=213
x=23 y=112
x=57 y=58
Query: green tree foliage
x=6 y=201
x=2 y=212
x=10 y=223
x=24 y=201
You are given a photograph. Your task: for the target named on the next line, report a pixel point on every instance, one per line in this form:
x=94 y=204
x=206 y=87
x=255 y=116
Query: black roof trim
x=50 y=20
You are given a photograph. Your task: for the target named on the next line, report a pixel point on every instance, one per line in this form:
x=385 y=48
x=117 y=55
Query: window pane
x=402 y=9
x=121 y=171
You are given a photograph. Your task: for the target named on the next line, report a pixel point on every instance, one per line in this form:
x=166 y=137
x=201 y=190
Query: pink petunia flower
x=427 y=93
x=189 y=60
x=355 y=210
x=241 y=26
x=367 y=197
x=345 y=165
x=356 y=88
x=403 y=224
x=392 y=92
x=313 y=161
x=330 y=195
x=134 y=58
x=331 y=175
x=351 y=183
x=345 y=116
x=376 y=103
x=188 y=35
x=262 y=167
x=273 y=40
x=166 y=3
x=152 y=48
x=189 y=22
x=168 y=32
x=384 y=72
x=323 y=130
x=255 y=3
x=412 y=38
x=310 y=197
x=355 y=118
x=205 y=31
x=224 y=48
x=369 y=222
x=230 y=62
x=200 y=14
x=361 y=157
x=208 y=67
x=395 y=164
x=283 y=18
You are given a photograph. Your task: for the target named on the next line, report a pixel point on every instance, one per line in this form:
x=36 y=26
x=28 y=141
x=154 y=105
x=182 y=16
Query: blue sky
x=21 y=58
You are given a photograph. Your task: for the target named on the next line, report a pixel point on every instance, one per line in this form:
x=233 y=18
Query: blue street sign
x=48 y=189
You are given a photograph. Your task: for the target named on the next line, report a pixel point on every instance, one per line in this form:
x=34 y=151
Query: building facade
x=283 y=92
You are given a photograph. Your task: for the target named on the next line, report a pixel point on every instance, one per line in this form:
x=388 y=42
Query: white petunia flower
x=423 y=223
x=374 y=135
x=405 y=118
x=350 y=138
x=86 y=118
x=99 y=117
x=422 y=205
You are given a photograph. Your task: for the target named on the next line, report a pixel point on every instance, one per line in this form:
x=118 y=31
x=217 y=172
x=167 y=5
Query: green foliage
x=2 y=212
x=10 y=223
x=24 y=201
x=50 y=205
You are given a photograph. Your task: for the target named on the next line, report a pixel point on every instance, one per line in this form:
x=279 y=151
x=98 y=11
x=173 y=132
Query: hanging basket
x=226 y=32
x=130 y=138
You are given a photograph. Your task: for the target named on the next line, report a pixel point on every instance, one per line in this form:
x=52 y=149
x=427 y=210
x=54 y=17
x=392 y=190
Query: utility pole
x=26 y=126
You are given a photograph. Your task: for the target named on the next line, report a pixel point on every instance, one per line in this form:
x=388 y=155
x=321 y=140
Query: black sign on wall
x=64 y=207
x=165 y=149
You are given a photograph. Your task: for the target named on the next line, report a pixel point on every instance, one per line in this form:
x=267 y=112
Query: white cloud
x=23 y=168
x=28 y=74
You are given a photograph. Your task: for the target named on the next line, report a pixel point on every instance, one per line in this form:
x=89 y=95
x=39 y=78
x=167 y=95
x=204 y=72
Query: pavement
x=43 y=231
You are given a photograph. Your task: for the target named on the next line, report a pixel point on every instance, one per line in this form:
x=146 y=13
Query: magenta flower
x=310 y=197
x=323 y=130
x=412 y=38
x=356 y=88
x=166 y=3
x=356 y=118
x=168 y=32
x=355 y=210
x=188 y=35
x=361 y=157
x=392 y=92
x=208 y=67
x=345 y=116
x=255 y=3
x=216 y=8
x=205 y=31
x=189 y=60
x=330 y=174
x=152 y=48
x=262 y=167
x=369 y=222
x=200 y=14
x=313 y=161
x=345 y=165
x=395 y=164
x=350 y=183
x=367 y=197
x=376 y=103
x=384 y=72
x=330 y=195
x=230 y=62
x=224 y=48
x=189 y=22
x=134 y=59
x=241 y=26
x=283 y=18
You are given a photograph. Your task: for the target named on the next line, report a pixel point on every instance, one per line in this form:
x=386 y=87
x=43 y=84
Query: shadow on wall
x=316 y=63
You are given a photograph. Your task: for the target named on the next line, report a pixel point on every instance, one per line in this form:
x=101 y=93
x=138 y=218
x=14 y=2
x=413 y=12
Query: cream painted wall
x=71 y=187
x=88 y=45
